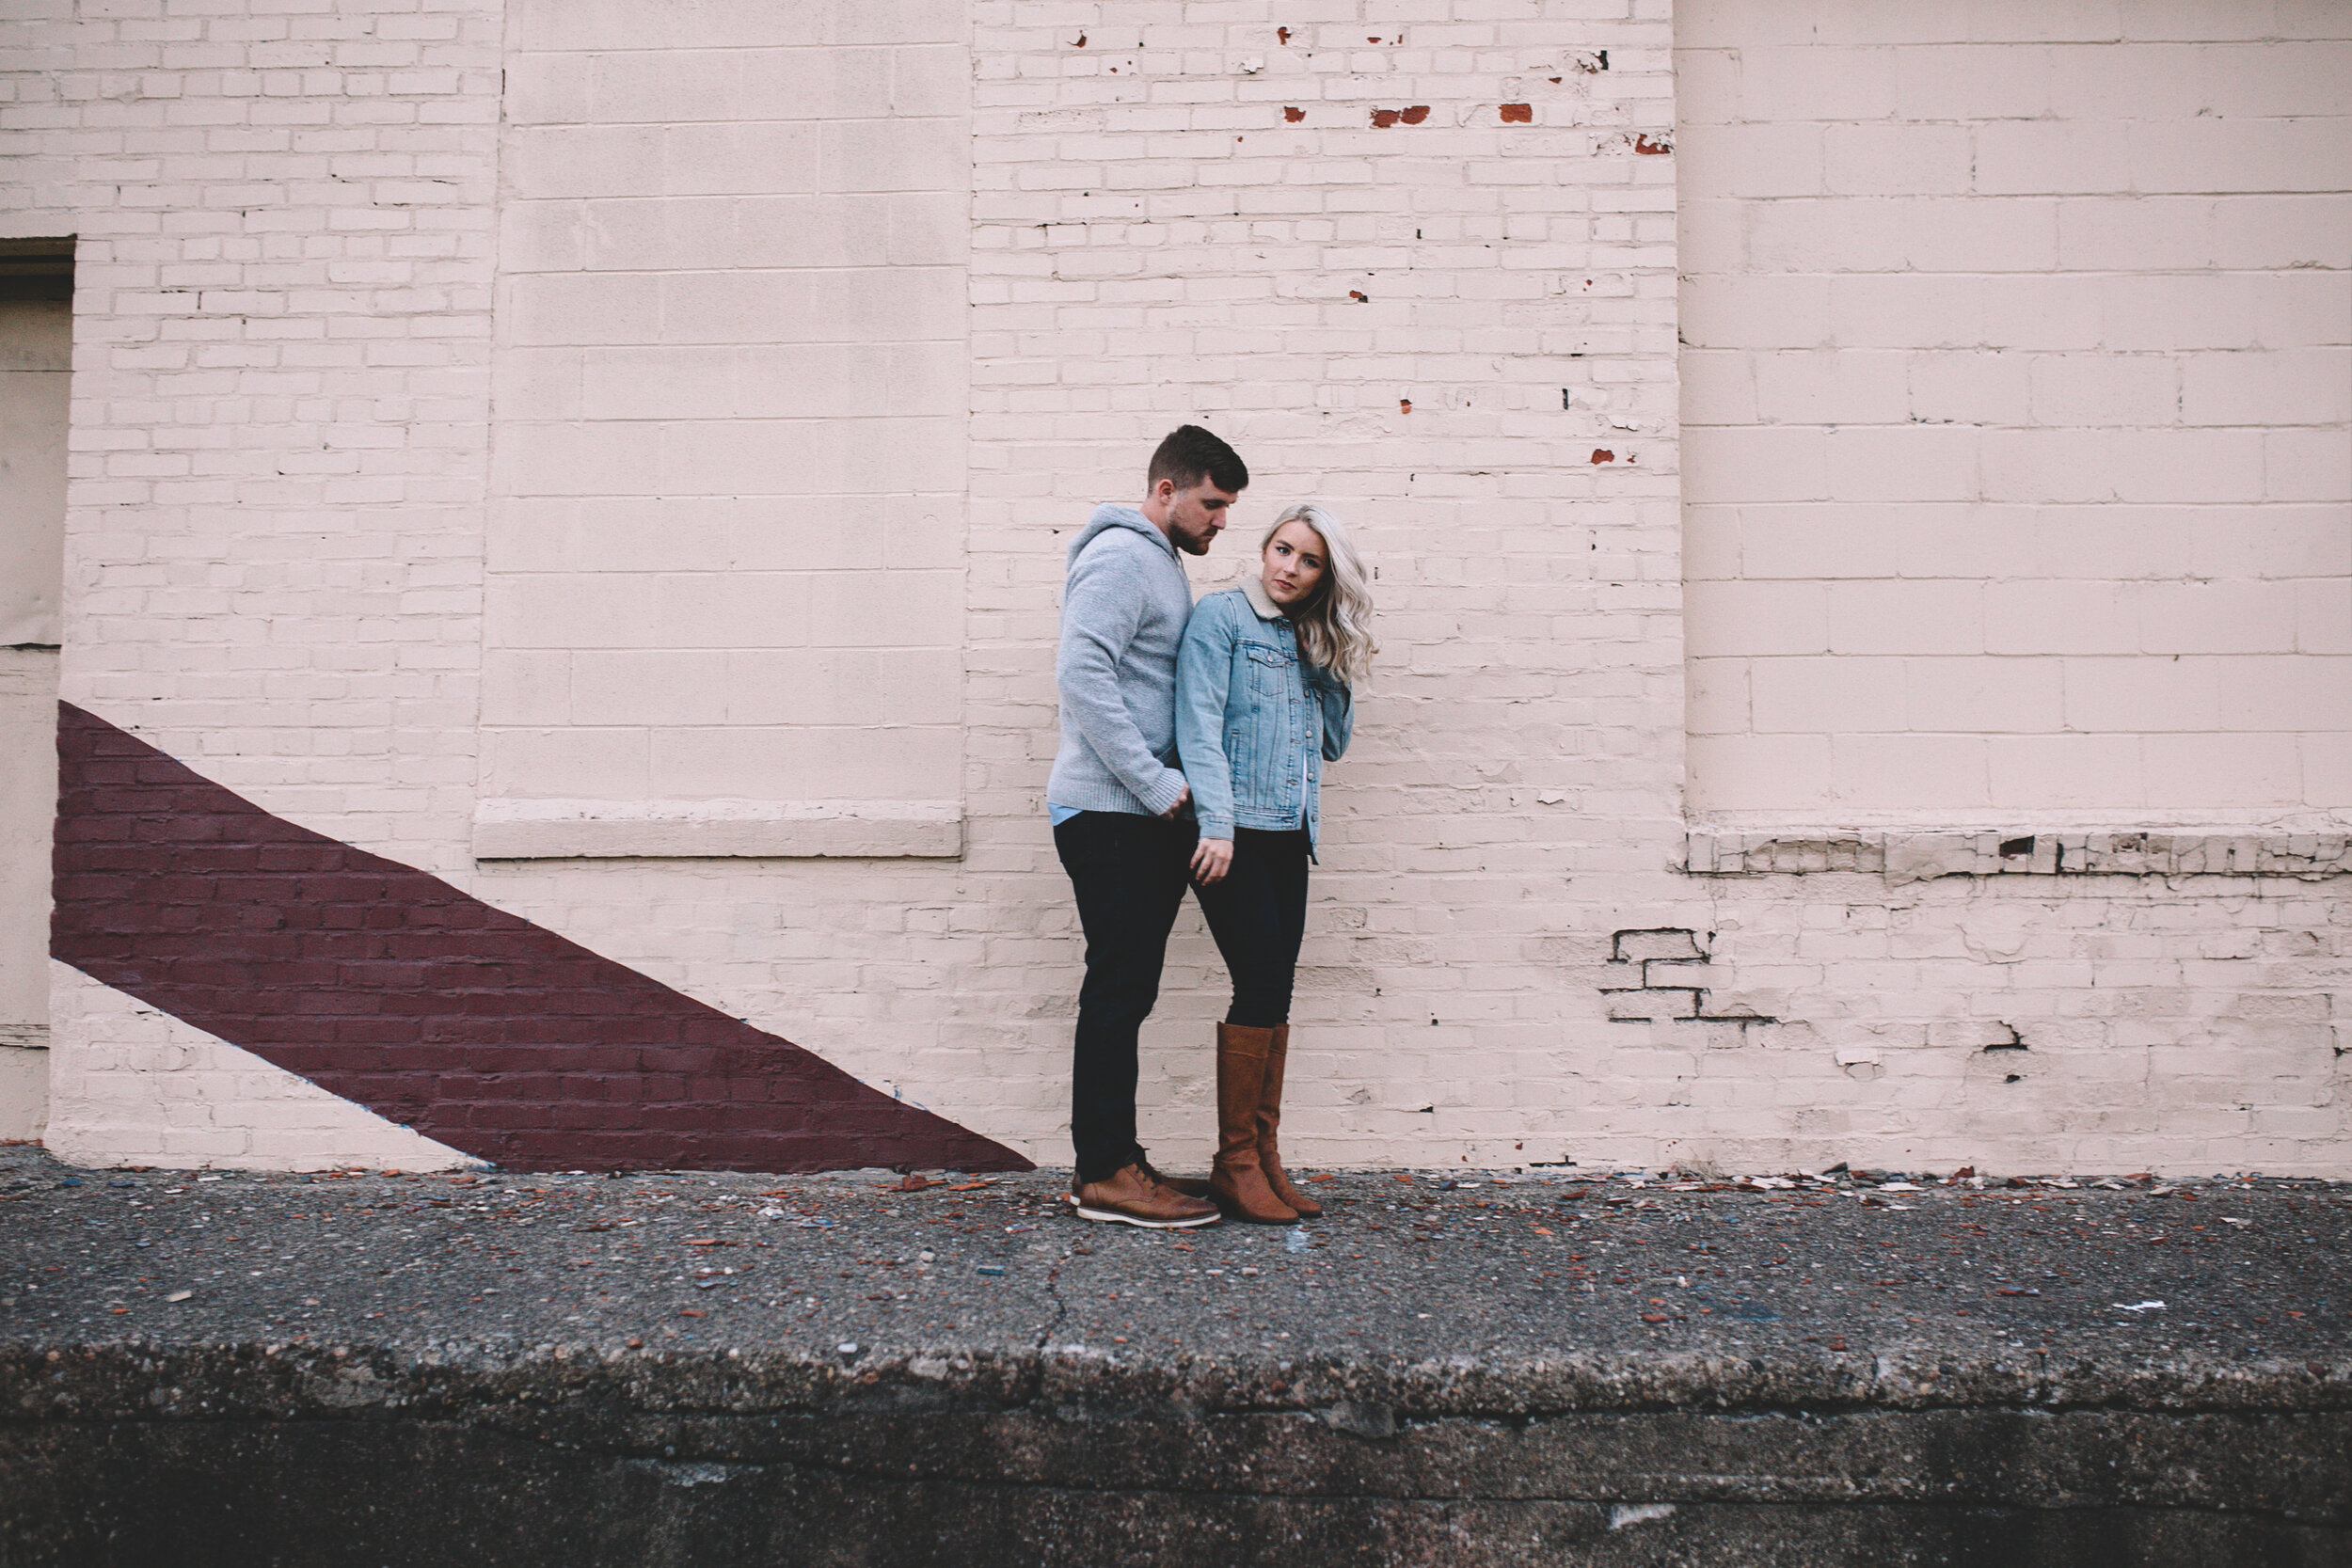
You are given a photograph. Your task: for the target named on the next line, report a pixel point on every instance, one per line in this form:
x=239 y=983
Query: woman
x=1262 y=700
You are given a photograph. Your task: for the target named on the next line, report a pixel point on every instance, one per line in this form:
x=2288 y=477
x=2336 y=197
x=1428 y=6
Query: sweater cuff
x=1162 y=796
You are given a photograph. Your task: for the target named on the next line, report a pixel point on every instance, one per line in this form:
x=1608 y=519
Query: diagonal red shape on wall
x=393 y=988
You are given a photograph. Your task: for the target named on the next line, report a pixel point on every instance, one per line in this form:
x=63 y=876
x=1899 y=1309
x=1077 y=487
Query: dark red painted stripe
x=391 y=988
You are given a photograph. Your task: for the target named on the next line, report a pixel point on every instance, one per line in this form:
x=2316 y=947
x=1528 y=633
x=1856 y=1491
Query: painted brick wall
x=279 y=449
x=283 y=500
x=280 y=387
x=1342 y=252
x=1438 y=326
x=2102 y=1024
x=2016 y=410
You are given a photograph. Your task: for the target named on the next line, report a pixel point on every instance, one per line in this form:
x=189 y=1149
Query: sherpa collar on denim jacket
x=1260 y=600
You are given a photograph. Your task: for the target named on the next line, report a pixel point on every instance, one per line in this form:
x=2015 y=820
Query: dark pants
x=1129 y=873
x=1258 y=914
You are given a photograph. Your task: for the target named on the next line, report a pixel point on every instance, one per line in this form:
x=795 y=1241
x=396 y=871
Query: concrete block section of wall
x=2001 y=331
x=727 y=549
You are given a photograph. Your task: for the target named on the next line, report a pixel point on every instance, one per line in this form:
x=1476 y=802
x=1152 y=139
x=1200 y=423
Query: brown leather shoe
x=1270 y=1123
x=1235 y=1180
x=1191 y=1186
x=1130 y=1198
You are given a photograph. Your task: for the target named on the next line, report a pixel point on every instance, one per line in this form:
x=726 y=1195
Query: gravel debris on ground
x=1404 y=1266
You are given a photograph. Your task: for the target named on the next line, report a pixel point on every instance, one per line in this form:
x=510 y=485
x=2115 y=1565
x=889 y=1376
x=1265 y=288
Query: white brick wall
x=137 y=1086
x=280 y=387
x=1155 y=240
x=2018 y=411
x=284 y=496
x=279 y=448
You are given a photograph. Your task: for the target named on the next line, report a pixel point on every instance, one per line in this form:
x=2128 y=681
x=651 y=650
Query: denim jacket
x=1254 y=721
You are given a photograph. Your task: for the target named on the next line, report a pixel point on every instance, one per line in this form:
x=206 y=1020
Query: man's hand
x=1211 y=859
x=1183 y=793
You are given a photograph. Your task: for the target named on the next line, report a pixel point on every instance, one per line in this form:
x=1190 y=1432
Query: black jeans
x=1258 y=914
x=1129 y=873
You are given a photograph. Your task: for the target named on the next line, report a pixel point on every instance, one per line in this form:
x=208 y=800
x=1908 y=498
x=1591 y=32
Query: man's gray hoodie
x=1123 y=610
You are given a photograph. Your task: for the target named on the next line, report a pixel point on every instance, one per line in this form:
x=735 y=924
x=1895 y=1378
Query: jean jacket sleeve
x=1339 y=710
x=1205 y=674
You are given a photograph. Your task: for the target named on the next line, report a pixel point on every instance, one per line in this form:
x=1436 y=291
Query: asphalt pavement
x=2175 y=1351
x=1497 y=1268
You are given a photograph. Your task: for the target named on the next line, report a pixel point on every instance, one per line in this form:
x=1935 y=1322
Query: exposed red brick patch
x=1518 y=114
x=1602 y=455
x=1415 y=115
x=1660 y=143
x=1282 y=35
x=1294 y=114
x=1383 y=119
x=1360 y=296
x=392 y=989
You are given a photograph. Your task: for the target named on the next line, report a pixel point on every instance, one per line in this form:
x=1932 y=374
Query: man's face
x=1198 y=515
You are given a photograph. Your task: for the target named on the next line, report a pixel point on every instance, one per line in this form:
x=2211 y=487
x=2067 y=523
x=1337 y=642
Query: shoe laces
x=1152 y=1176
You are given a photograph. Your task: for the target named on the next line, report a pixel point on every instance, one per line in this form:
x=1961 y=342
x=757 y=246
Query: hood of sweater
x=1112 y=515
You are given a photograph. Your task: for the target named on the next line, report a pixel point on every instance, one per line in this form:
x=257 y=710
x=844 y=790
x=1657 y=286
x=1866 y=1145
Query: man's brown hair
x=1190 y=455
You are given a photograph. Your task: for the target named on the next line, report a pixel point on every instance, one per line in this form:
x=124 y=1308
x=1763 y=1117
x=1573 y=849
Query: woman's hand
x=1211 y=859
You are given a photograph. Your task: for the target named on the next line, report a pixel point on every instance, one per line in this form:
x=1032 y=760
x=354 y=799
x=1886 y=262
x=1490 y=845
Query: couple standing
x=1192 y=746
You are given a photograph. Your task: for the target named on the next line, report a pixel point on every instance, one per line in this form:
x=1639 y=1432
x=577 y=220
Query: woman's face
x=1292 y=564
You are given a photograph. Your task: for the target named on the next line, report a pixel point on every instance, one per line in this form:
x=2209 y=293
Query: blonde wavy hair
x=1334 y=625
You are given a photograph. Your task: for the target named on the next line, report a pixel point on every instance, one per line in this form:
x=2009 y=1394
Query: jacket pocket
x=1272 y=671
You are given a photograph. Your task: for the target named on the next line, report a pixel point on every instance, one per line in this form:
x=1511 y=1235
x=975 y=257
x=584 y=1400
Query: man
x=1119 y=804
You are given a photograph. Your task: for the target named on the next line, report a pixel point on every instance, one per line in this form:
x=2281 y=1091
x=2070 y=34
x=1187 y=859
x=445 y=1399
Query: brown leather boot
x=1270 y=1123
x=1235 y=1180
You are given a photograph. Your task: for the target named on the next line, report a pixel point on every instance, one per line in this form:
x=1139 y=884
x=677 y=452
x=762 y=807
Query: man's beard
x=1191 y=541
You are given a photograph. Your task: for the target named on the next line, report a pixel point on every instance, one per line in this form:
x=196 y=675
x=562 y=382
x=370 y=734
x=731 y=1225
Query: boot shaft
x=1241 y=1070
